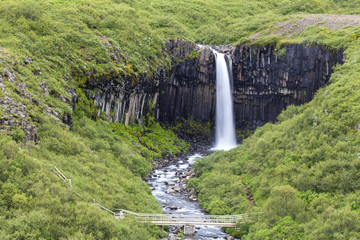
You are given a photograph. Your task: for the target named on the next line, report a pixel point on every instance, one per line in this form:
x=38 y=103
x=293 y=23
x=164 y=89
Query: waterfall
x=225 y=127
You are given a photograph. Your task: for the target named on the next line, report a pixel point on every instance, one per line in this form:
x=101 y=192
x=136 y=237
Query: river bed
x=179 y=201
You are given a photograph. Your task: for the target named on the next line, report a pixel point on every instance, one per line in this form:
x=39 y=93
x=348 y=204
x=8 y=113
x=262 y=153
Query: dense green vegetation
x=309 y=156
x=194 y=131
x=36 y=204
x=103 y=165
x=69 y=36
x=303 y=170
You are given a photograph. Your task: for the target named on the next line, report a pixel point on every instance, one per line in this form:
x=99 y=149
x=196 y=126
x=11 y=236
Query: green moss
x=271 y=40
x=154 y=142
x=242 y=41
x=194 y=130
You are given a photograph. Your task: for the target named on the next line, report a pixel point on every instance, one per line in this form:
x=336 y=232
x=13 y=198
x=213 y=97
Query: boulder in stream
x=170 y=190
x=170 y=183
x=173 y=208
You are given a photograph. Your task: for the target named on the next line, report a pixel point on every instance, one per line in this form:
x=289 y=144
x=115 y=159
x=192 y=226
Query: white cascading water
x=225 y=138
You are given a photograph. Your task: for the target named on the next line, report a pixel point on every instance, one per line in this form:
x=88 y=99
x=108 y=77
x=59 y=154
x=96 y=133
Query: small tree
x=283 y=202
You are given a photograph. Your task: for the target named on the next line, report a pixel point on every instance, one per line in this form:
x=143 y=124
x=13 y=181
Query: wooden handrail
x=106 y=209
x=184 y=219
x=61 y=175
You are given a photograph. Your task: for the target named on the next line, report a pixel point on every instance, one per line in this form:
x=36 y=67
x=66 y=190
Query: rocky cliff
x=125 y=102
x=190 y=91
x=265 y=81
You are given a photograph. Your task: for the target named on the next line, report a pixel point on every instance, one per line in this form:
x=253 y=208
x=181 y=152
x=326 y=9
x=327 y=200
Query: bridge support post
x=121 y=215
x=189 y=230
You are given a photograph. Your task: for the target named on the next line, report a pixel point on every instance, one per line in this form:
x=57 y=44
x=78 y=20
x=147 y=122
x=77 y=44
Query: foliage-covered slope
x=104 y=162
x=48 y=49
x=303 y=171
x=69 y=35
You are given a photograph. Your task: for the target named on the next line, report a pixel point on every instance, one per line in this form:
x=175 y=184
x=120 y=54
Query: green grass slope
x=105 y=164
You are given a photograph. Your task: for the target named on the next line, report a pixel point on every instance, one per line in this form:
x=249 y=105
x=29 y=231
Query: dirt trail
x=296 y=26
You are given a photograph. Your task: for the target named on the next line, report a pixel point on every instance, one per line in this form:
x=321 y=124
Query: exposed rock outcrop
x=190 y=92
x=265 y=81
x=16 y=116
x=13 y=114
x=122 y=102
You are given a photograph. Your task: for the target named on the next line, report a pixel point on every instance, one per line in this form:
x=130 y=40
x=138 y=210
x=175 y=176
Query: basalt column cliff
x=265 y=80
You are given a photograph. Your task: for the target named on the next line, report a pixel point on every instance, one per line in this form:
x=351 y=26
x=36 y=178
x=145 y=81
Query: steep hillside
x=50 y=50
x=301 y=172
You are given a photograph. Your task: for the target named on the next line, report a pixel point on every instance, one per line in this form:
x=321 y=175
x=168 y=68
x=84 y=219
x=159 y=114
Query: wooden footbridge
x=189 y=221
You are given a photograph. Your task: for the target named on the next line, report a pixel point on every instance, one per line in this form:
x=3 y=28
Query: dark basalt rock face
x=125 y=101
x=190 y=92
x=264 y=83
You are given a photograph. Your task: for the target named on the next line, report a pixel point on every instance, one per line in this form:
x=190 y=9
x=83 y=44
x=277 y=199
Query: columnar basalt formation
x=265 y=81
x=123 y=101
x=190 y=92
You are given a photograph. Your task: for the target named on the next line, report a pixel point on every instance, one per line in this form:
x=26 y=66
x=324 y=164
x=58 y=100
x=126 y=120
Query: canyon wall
x=121 y=100
x=190 y=91
x=265 y=81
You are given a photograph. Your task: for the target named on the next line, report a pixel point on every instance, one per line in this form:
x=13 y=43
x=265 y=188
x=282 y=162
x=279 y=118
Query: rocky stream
x=168 y=185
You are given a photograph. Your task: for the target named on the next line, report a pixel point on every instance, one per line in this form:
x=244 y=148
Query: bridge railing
x=180 y=219
x=193 y=218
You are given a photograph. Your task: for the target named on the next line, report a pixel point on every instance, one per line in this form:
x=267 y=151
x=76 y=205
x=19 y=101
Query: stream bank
x=168 y=185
